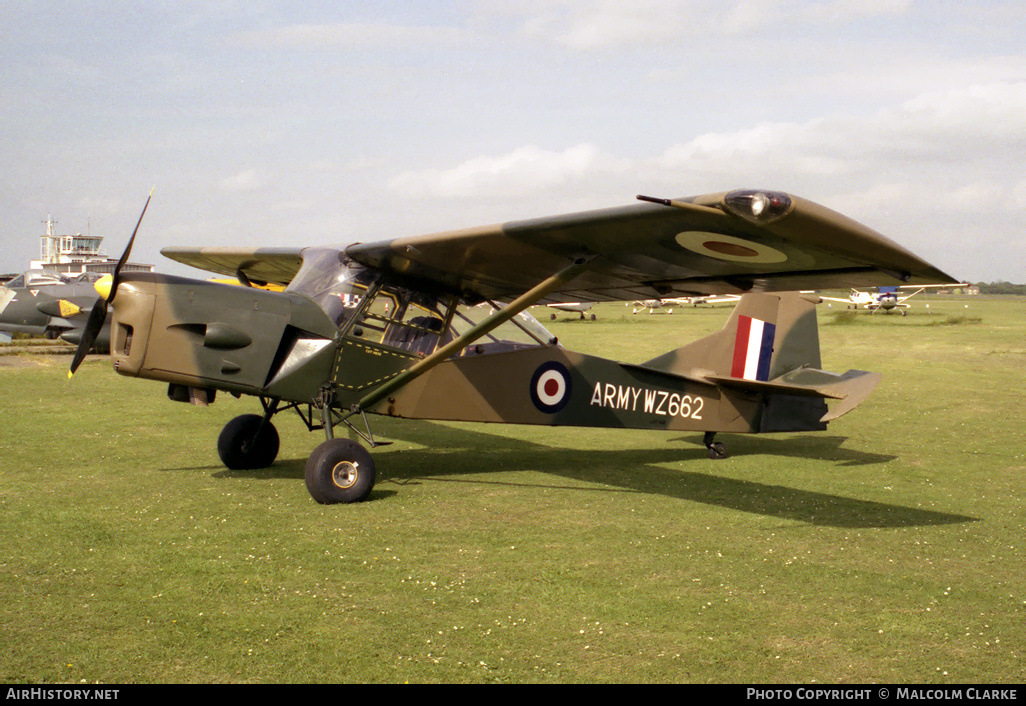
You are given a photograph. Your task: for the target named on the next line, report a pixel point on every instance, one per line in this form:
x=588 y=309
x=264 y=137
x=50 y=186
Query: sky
x=265 y=123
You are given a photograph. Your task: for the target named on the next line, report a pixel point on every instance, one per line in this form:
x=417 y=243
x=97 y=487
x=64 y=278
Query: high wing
x=725 y=243
x=258 y=265
x=924 y=288
x=713 y=244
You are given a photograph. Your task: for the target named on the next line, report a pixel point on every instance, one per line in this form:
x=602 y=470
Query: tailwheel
x=717 y=449
x=248 y=442
x=339 y=471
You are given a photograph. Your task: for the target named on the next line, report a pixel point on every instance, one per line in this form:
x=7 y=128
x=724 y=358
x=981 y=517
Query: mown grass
x=889 y=548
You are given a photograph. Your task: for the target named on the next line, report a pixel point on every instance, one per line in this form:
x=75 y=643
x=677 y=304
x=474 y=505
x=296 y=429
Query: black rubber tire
x=340 y=471
x=240 y=451
x=717 y=450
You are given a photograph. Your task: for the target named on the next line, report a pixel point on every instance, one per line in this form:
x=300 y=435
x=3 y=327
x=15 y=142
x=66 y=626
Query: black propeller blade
x=98 y=314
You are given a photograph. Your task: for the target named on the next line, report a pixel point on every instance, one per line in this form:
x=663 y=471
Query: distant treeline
x=1001 y=288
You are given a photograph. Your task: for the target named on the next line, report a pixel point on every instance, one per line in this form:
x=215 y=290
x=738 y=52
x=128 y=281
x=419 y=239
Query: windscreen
x=334 y=282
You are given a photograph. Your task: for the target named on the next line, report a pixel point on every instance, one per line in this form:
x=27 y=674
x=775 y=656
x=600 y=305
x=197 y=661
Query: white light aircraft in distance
x=579 y=307
x=667 y=304
x=885 y=298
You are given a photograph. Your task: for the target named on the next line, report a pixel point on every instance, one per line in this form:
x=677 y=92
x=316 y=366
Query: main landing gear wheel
x=243 y=444
x=339 y=471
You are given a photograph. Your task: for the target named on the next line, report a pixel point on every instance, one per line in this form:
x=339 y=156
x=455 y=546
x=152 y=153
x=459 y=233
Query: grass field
x=890 y=548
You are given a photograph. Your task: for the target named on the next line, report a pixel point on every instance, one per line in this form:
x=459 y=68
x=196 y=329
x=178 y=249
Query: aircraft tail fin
x=770 y=346
x=766 y=336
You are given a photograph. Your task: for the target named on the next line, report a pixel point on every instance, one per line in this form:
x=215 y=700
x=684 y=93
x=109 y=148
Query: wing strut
x=528 y=298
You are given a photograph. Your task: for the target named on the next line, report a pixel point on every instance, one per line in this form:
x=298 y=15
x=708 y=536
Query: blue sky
x=274 y=124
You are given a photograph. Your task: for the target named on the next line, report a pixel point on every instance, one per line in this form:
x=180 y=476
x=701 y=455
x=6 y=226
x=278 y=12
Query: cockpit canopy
x=365 y=306
x=47 y=278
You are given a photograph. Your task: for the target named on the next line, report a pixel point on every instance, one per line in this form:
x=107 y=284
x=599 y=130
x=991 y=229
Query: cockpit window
x=522 y=331
x=88 y=277
x=336 y=284
x=43 y=279
x=37 y=278
x=401 y=318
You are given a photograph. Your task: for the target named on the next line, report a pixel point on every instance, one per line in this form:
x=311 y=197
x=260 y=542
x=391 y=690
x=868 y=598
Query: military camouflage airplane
x=44 y=303
x=436 y=327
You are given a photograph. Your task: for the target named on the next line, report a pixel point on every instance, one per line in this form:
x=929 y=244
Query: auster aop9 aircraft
x=436 y=327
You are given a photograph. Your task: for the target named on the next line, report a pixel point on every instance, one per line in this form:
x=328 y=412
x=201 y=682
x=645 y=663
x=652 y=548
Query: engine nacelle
x=207 y=335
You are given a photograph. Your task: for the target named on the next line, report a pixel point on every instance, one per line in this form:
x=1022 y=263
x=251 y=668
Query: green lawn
x=890 y=548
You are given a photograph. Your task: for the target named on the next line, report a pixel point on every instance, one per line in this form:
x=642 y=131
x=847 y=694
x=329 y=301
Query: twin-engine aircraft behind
x=436 y=327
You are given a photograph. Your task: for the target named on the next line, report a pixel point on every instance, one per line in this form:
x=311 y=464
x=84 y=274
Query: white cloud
x=600 y=24
x=1018 y=200
x=940 y=173
x=348 y=36
x=932 y=130
x=101 y=206
x=950 y=147
x=526 y=169
x=841 y=11
x=981 y=111
x=248 y=180
x=594 y=24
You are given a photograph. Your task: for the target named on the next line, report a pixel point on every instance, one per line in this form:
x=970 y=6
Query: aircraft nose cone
x=102 y=286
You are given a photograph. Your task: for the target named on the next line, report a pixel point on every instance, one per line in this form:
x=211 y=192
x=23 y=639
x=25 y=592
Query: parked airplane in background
x=436 y=327
x=573 y=306
x=885 y=298
x=667 y=305
x=45 y=303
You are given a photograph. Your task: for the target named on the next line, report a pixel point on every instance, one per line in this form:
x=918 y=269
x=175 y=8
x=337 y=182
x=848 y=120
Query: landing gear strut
x=716 y=449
